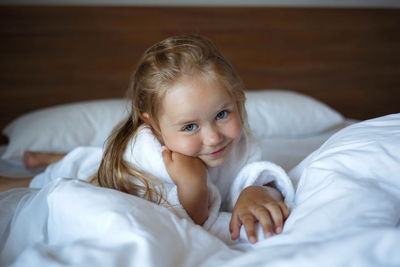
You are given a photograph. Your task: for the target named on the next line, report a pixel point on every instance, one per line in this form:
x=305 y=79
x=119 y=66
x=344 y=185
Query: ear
x=145 y=117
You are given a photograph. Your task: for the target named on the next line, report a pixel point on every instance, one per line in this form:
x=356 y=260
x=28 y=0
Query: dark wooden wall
x=347 y=58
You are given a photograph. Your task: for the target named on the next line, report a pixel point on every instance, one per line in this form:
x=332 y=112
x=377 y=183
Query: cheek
x=186 y=145
x=234 y=129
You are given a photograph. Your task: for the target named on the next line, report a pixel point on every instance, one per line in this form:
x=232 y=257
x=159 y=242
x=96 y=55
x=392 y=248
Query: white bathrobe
x=242 y=168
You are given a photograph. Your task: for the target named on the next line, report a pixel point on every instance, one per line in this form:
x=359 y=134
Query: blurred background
x=344 y=53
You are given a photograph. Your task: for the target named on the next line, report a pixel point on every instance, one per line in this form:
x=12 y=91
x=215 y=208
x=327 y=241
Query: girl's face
x=199 y=119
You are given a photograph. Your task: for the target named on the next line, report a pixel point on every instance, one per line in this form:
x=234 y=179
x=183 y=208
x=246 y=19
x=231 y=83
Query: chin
x=214 y=163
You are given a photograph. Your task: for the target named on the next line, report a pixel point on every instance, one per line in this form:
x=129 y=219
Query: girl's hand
x=190 y=176
x=258 y=203
x=184 y=170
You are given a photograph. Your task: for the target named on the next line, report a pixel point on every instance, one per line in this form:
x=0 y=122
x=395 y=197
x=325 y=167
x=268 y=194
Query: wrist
x=192 y=182
x=273 y=192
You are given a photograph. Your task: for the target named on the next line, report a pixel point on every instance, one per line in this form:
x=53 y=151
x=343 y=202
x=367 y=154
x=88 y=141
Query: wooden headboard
x=347 y=58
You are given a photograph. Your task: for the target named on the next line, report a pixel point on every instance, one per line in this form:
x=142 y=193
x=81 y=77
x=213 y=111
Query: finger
x=264 y=219
x=248 y=223
x=277 y=217
x=285 y=209
x=175 y=156
x=234 y=226
x=166 y=155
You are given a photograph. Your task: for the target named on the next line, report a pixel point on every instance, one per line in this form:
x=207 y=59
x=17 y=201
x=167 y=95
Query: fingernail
x=252 y=239
x=268 y=234
x=279 y=230
x=163 y=148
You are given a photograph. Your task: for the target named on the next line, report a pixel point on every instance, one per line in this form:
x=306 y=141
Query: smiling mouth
x=218 y=153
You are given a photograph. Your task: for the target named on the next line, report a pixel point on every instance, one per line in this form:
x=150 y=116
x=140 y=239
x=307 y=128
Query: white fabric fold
x=144 y=152
x=70 y=222
x=81 y=163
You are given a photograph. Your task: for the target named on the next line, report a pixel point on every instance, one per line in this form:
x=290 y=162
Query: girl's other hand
x=258 y=203
x=184 y=170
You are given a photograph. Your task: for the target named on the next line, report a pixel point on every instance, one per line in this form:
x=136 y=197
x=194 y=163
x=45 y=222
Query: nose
x=212 y=136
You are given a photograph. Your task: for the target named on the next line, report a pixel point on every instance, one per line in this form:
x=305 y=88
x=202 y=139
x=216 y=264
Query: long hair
x=160 y=67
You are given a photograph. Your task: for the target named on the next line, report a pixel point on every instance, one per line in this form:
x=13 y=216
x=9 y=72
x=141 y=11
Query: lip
x=217 y=153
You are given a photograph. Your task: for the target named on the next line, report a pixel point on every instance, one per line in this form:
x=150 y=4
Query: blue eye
x=222 y=115
x=190 y=127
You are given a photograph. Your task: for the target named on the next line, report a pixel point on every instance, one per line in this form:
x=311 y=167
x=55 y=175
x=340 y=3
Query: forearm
x=9 y=183
x=194 y=199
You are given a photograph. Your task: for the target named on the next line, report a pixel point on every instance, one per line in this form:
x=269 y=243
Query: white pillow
x=64 y=127
x=287 y=113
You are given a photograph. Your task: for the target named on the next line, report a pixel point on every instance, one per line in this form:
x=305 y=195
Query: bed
x=329 y=118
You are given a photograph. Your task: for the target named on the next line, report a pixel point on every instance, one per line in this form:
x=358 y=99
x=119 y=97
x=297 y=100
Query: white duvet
x=346 y=213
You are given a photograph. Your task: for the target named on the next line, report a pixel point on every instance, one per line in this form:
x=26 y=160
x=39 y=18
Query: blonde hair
x=159 y=68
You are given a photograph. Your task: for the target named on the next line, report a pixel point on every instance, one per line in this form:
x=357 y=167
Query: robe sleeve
x=261 y=173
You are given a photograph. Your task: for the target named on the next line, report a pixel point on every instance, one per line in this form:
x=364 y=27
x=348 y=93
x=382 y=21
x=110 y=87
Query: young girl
x=186 y=143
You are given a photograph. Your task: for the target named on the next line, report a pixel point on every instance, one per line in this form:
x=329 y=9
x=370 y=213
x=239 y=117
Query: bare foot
x=34 y=160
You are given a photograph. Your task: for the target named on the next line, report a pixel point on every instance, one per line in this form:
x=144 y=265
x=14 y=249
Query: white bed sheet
x=346 y=213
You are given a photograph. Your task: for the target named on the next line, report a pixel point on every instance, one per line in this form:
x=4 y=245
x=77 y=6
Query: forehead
x=194 y=96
